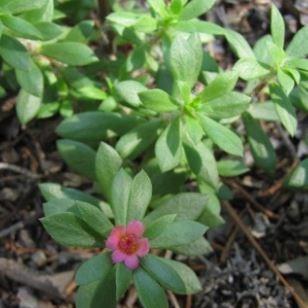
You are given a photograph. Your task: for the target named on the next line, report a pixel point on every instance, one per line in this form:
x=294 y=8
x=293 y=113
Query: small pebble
x=39 y=258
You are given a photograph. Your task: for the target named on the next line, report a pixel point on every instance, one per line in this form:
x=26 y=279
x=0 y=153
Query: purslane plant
x=128 y=236
x=34 y=48
x=184 y=125
x=258 y=66
x=184 y=121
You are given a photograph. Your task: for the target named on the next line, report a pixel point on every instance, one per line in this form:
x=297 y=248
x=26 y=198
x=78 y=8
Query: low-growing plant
x=35 y=49
x=132 y=235
x=171 y=110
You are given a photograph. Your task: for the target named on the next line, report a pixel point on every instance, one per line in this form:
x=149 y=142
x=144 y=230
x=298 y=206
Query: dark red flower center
x=128 y=244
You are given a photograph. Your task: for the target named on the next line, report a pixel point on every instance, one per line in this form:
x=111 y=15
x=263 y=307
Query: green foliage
x=261 y=147
x=95 y=269
x=222 y=136
x=77 y=223
x=148 y=115
x=178 y=233
x=169 y=145
x=149 y=291
x=69 y=230
x=28 y=32
x=164 y=274
x=298 y=179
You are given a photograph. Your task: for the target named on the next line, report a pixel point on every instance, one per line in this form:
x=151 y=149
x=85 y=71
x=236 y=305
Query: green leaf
x=14 y=53
x=140 y=196
x=264 y=111
x=299 y=44
x=284 y=108
x=294 y=74
x=184 y=205
x=189 y=278
x=277 y=27
x=79 y=157
x=261 y=50
x=123 y=279
x=43 y=13
x=277 y=55
x=196 y=8
x=27 y=106
x=227 y=106
x=107 y=164
x=19 y=6
x=93 y=217
x=69 y=230
x=199 y=26
x=287 y=83
x=176 y=6
x=178 y=233
x=120 y=191
x=128 y=91
x=299 y=177
x=51 y=191
x=48 y=30
x=95 y=269
x=163 y=183
x=158 y=6
x=186 y=59
x=83 y=86
x=260 y=145
x=163 y=273
x=21 y=27
x=47 y=110
x=31 y=81
x=156 y=227
x=57 y=206
x=137 y=59
x=168 y=147
x=124 y=19
x=193 y=129
x=145 y=24
x=221 y=85
x=299 y=97
x=81 y=32
x=211 y=214
x=139 y=21
x=238 y=44
x=231 y=167
x=150 y=294
x=95 y=126
x=89 y=92
x=98 y=294
x=202 y=162
x=222 y=136
x=250 y=68
x=157 y=100
x=139 y=139
x=71 y=53
x=199 y=247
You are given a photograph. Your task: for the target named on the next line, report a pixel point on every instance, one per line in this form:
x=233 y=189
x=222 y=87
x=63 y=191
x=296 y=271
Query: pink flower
x=127 y=244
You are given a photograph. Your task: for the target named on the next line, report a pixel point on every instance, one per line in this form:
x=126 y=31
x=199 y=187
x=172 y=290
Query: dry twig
x=43 y=283
x=17 y=169
x=263 y=254
x=252 y=201
x=173 y=300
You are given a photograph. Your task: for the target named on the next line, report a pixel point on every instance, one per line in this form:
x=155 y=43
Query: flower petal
x=131 y=262
x=144 y=247
x=118 y=256
x=135 y=227
x=114 y=237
